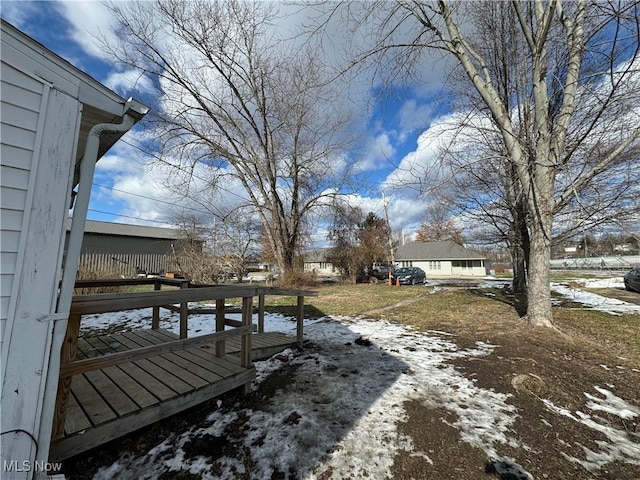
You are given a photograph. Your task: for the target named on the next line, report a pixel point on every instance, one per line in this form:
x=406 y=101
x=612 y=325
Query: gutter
x=132 y=112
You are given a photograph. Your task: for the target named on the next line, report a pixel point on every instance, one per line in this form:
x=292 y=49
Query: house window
x=407 y=264
x=464 y=264
x=435 y=265
x=323 y=265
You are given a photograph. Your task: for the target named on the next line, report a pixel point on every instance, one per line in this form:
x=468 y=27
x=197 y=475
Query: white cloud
x=130 y=82
x=378 y=152
x=422 y=169
x=91 y=21
x=413 y=116
x=19 y=13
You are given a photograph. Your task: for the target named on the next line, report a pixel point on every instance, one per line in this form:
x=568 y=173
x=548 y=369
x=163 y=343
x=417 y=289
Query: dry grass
x=619 y=334
x=482 y=314
x=361 y=298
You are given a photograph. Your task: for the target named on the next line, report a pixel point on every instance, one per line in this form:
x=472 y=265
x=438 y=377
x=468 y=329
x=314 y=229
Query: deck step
x=111 y=402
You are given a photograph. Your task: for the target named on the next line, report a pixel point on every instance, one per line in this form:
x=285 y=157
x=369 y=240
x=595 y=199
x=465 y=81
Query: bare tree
x=569 y=117
x=241 y=104
x=237 y=243
x=438 y=225
x=212 y=248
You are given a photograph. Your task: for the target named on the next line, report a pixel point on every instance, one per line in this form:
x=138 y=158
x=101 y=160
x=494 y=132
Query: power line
x=182 y=169
x=126 y=216
x=148 y=198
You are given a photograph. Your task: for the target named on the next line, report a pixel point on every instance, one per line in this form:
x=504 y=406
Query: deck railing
x=114 y=302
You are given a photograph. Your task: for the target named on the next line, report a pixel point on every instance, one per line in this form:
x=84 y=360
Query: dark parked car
x=632 y=280
x=409 y=276
x=381 y=272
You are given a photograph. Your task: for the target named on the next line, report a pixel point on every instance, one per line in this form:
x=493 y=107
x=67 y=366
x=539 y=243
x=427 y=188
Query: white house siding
x=447 y=268
x=320 y=268
x=40 y=127
x=21 y=101
x=434 y=268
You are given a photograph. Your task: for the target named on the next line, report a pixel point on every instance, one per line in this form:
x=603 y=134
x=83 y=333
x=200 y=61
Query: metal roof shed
x=56 y=122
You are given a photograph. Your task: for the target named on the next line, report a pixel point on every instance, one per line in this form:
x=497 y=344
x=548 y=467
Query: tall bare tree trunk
x=539 y=297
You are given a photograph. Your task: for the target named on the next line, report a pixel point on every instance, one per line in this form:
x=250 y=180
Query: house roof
x=444 y=250
x=122 y=229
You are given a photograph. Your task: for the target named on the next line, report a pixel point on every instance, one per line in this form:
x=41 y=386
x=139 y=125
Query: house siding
x=41 y=151
x=21 y=109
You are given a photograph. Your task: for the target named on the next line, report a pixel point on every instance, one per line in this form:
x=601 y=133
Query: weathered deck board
x=119 y=401
x=116 y=400
x=76 y=420
x=98 y=435
x=203 y=374
x=171 y=380
x=140 y=395
x=149 y=382
x=92 y=403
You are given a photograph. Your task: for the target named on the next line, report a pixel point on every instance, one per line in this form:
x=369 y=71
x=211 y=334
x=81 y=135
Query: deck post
x=299 y=329
x=155 y=321
x=184 y=319
x=67 y=355
x=220 y=346
x=245 y=348
x=261 y=312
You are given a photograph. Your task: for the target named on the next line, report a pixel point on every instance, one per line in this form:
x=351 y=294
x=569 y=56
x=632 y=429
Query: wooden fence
x=127 y=264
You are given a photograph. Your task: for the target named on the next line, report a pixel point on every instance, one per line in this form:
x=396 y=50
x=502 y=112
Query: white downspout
x=87 y=169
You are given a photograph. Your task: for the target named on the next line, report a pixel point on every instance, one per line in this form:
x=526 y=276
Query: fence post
x=220 y=345
x=67 y=355
x=299 y=329
x=184 y=319
x=245 y=349
x=155 y=321
x=261 y=312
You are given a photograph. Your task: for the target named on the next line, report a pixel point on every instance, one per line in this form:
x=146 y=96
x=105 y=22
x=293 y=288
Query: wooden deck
x=110 y=402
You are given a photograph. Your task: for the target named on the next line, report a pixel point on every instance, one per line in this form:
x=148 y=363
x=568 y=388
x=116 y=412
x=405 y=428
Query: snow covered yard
x=359 y=402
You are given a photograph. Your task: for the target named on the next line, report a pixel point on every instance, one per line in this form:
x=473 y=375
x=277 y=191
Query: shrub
x=296 y=279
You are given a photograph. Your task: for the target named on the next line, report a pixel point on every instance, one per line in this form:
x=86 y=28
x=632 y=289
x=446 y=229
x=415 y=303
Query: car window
x=403 y=270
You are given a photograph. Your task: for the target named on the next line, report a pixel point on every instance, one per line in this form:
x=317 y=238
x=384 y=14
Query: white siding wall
x=434 y=268
x=320 y=268
x=464 y=268
x=21 y=100
x=40 y=126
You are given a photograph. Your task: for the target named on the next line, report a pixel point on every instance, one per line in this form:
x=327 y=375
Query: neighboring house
x=121 y=249
x=445 y=258
x=316 y=262
x=56 y=123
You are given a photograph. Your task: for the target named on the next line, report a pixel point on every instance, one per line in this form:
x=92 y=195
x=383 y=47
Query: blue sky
x=129 y=190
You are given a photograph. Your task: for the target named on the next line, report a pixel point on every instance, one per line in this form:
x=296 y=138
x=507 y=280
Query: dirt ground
x=529 y=371
x=529 y=363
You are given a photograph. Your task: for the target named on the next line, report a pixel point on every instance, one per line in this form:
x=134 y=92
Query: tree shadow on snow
x=285 y=428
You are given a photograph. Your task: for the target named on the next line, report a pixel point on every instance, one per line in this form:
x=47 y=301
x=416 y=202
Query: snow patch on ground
x=595 y=301
x=339 y=416
x=612 y=282
x=343 y=407
x=619 y=445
